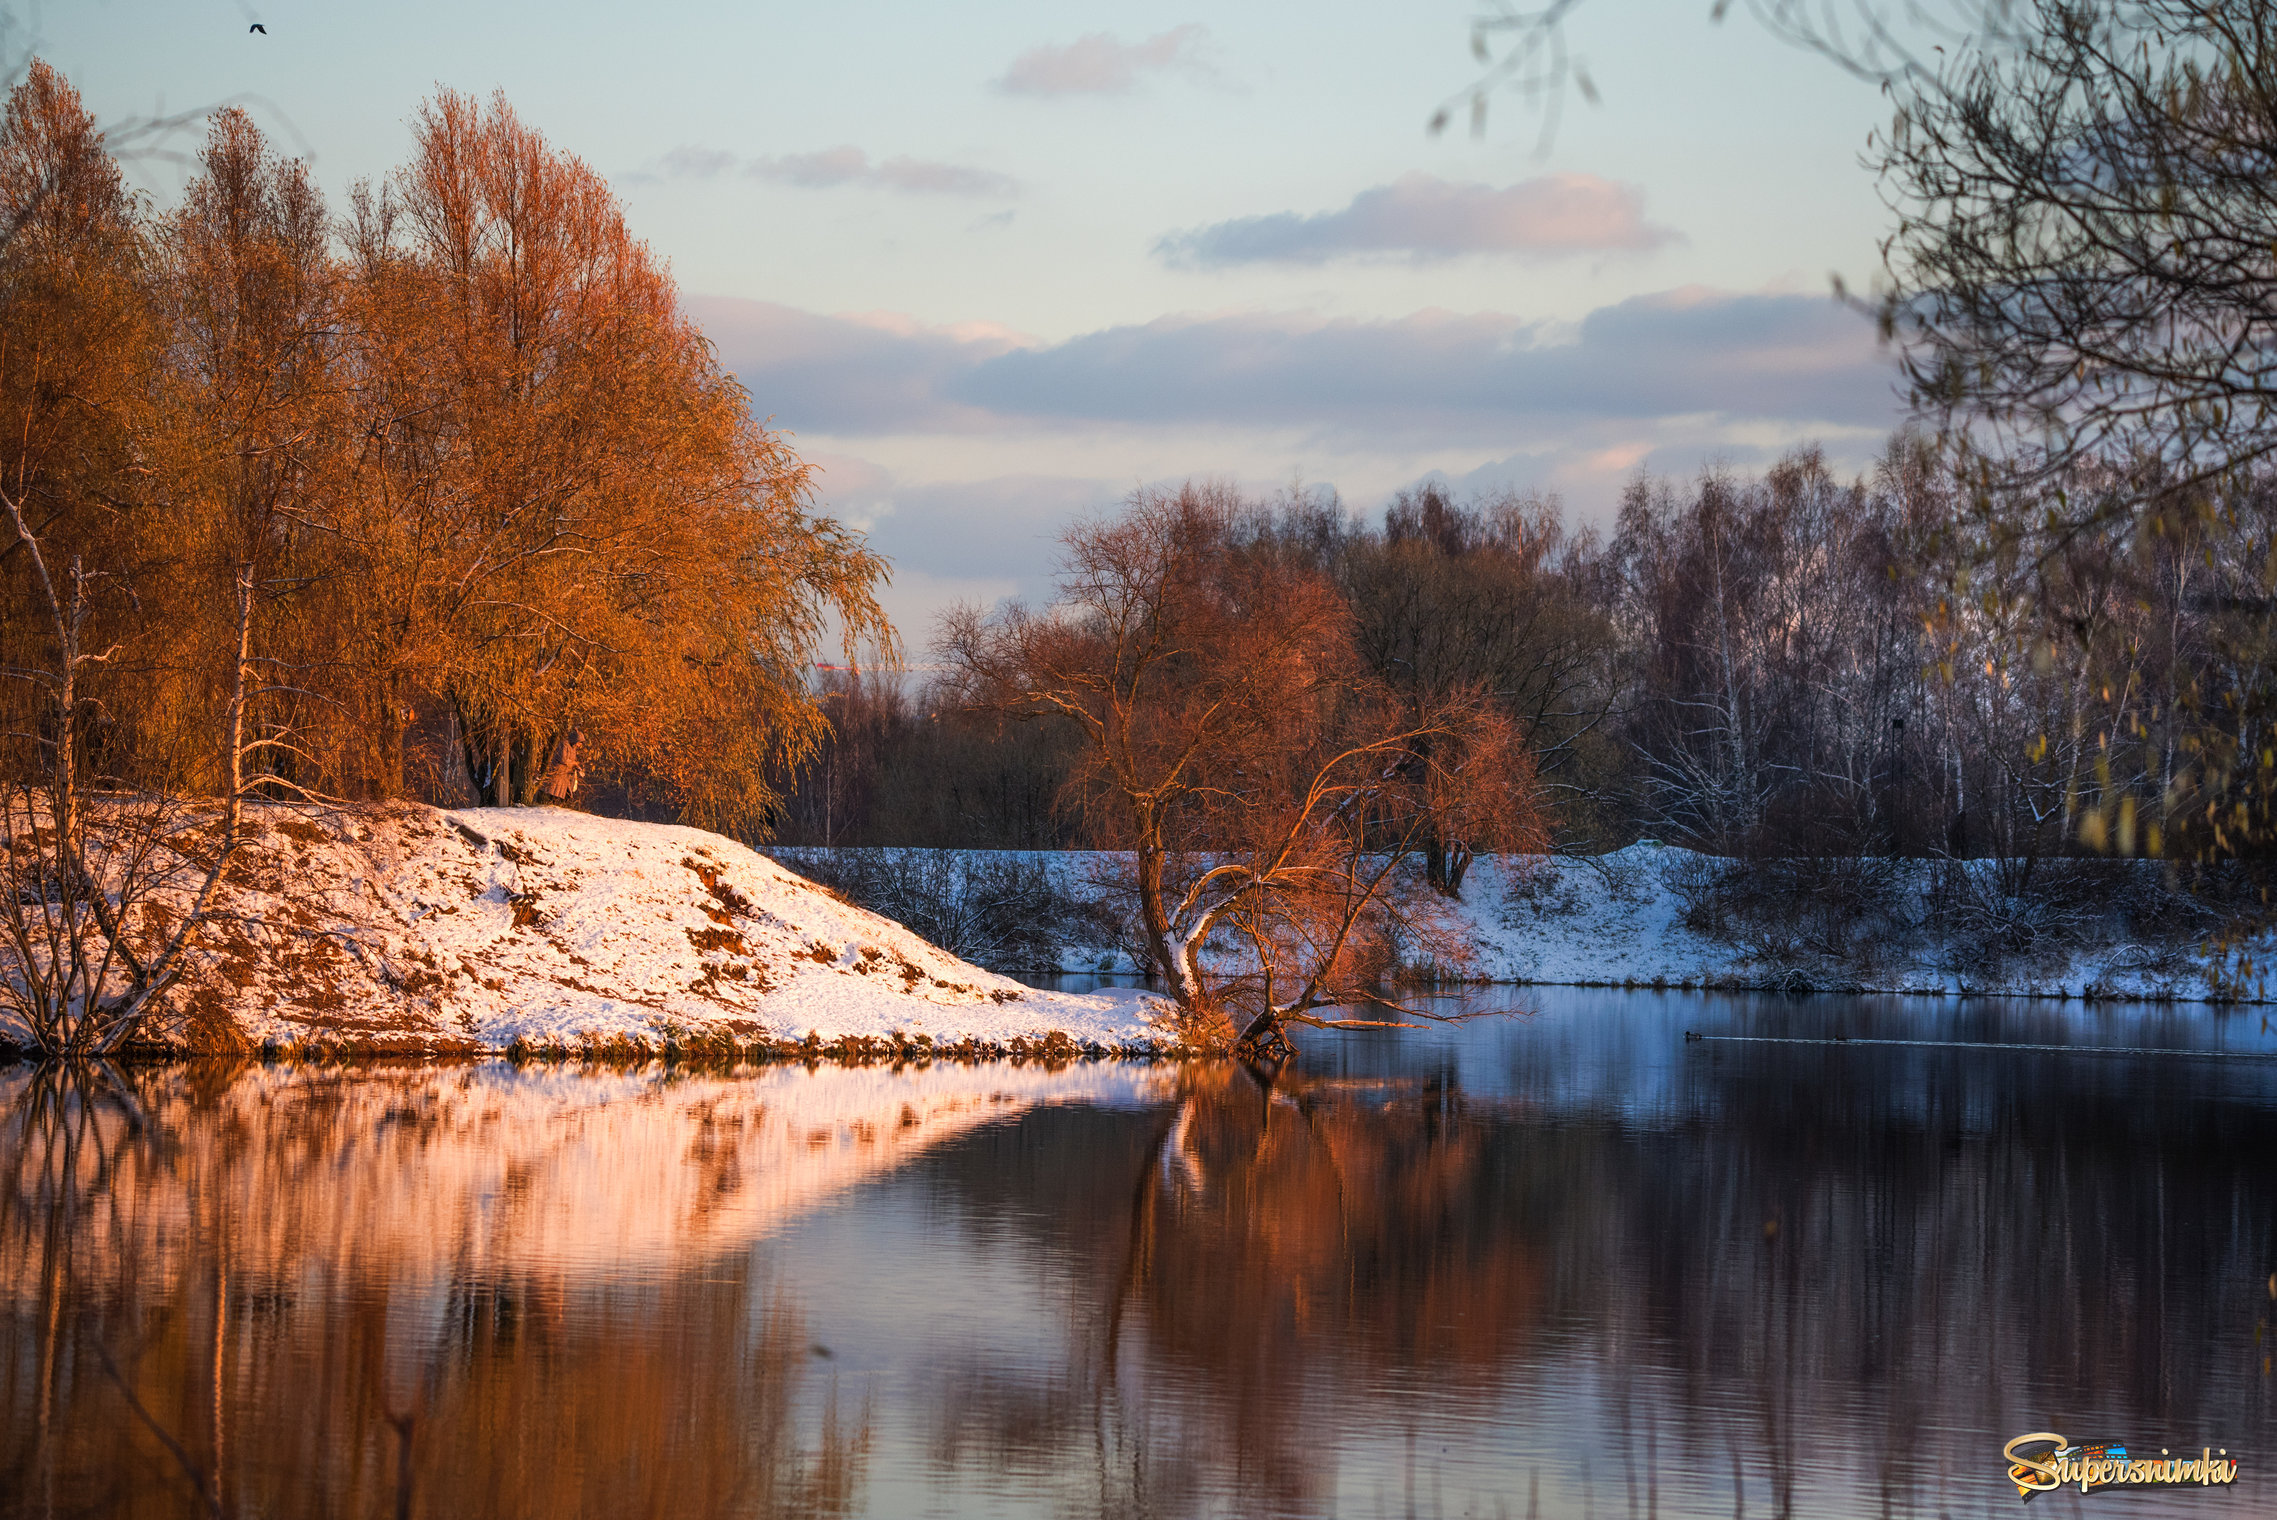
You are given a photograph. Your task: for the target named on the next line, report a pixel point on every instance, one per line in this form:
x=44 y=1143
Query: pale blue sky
x=989 y=291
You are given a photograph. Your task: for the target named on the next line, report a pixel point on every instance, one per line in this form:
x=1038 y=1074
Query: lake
x=1555 y=1260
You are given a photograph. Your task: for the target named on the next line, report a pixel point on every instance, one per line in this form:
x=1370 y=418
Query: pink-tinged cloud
x=833 y=168
x=1099 y=65
x=693 y=163
x=1431 y=375
x=1421 y=216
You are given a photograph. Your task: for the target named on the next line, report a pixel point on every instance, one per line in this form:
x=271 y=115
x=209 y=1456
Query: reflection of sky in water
x=1616 y=1404
x=1614 y=1053
x=1561 y=1257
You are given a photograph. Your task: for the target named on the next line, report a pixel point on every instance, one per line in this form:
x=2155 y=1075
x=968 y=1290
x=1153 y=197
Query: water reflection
x=1554 y=1264
x=540 y=1286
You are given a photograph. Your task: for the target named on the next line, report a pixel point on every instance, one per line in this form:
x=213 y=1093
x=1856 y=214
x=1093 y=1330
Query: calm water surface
x=1560 y=1262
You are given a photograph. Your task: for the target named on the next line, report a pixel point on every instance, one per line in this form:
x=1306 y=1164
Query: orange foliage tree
x=103 y=874
x=578 y=523
x=489 y=484
x=1267 y=787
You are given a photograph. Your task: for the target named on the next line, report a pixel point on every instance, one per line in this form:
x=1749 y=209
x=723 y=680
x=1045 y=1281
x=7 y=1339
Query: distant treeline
x=1762 y=666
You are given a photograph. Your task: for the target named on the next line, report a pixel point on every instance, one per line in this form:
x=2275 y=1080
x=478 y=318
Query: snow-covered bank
x=414 y=929
x=1635 y=916
x=1622 y=918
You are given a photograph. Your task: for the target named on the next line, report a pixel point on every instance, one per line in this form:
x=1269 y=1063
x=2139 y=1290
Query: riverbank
x=1657 y=916
x=539 y=931
x=545 y=933
x=1662 y=917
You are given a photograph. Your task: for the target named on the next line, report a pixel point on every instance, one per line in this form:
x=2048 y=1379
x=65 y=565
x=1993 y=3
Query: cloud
x=952 y=541
x=693 y=163
x=1099 y=65
x=831 y=168
x=1656 y=356
x=997 y=525
x=1594 y=465
x=1425 y=217
x=851 y=374
x=1432 y=376
x=965 y=449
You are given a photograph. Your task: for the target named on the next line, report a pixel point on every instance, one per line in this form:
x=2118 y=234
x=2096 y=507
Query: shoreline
x=1052 y=1049
x=546 y=934
x=1659 y=917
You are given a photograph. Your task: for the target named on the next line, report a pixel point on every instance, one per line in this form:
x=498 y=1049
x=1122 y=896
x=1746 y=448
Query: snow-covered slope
x=410 y=928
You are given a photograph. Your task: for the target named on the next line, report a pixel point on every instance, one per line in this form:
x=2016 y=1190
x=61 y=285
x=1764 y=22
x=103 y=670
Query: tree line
x=1750 y=665
x=1299 y=726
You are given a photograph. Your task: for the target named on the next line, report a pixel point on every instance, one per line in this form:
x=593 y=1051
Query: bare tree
x=102 y=890
x=1524 y=51
x=2082 y=267
x=1454 y=598
x=2084 y=287
x=1266 y=786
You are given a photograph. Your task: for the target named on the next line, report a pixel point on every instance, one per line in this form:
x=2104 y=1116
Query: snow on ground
x=1618 y=918
x=412 y=928
x=417 y=930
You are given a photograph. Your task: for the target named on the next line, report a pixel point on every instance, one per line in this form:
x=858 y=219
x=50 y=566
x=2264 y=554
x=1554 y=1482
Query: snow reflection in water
x=1560 y=1264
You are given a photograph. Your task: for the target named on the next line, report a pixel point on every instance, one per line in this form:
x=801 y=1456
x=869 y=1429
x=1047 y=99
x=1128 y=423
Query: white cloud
x=832 y=168
x=1100 y=65
x=853 y=374
x=1673 y=354
x=693 y=163
x=1424 y=217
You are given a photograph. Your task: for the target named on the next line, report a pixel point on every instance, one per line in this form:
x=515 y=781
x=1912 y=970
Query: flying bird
x=257 y=27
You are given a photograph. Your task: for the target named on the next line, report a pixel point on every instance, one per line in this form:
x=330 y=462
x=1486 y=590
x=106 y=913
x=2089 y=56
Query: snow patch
x=418 y=929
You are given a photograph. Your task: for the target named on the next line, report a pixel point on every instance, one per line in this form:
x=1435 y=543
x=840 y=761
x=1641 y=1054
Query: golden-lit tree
x=488 y=482
x=247 y=290
x=78 y=348
x=1268 y=787
x=574 y=521
x=103 y=874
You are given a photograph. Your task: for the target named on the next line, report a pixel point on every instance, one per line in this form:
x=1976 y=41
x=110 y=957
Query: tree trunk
x=385 y=780
x=1265 y=1040
x=1154 y=917
x=1445 y=865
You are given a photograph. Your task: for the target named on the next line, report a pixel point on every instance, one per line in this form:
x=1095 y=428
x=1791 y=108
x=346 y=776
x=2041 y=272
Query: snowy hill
x=414 y=929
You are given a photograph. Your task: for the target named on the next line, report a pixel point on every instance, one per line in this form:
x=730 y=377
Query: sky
x=996 y=266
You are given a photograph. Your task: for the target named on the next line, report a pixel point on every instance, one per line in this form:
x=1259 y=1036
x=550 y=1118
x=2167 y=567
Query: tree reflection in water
x=1572 y=1267
x=1793 y=1283
x=286 y=1364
